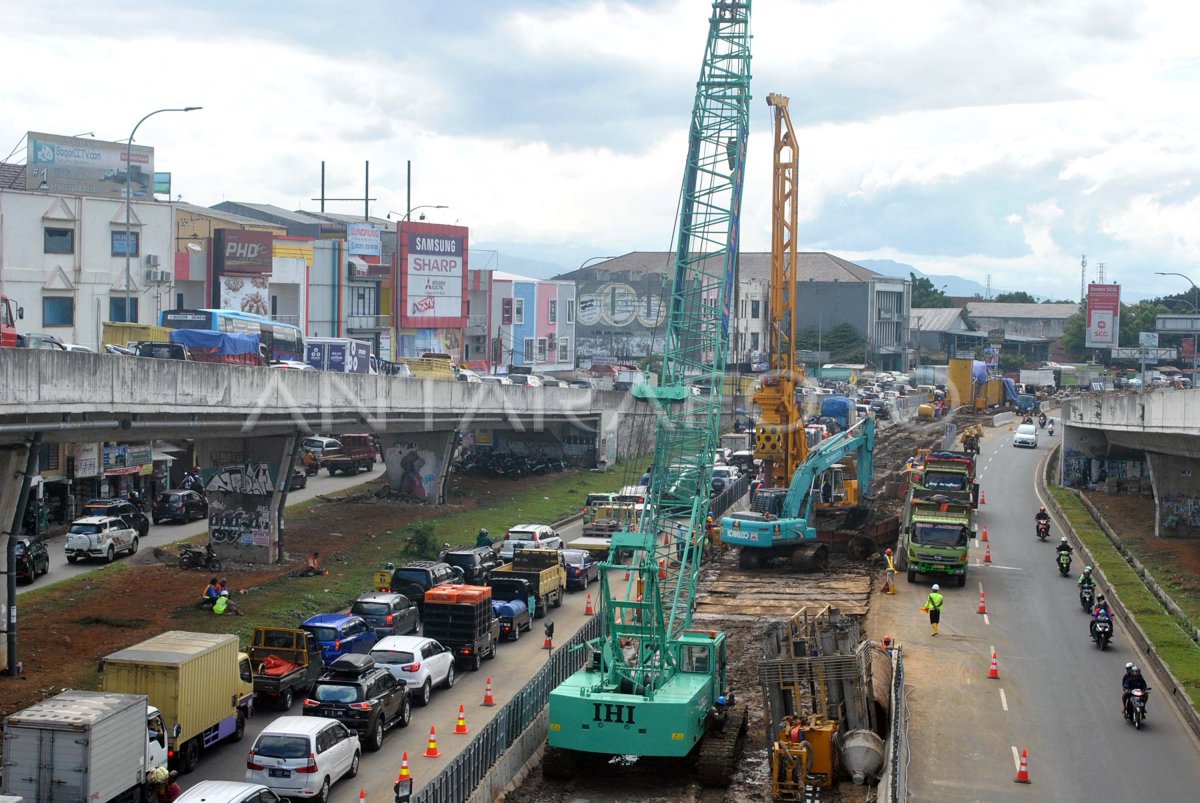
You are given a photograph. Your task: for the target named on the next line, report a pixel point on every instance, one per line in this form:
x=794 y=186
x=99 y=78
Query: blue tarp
x=226 y=344
x=979 y=371
x=1010 y=391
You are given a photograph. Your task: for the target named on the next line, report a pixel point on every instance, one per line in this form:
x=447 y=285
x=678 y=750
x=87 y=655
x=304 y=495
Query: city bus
x=284 y=341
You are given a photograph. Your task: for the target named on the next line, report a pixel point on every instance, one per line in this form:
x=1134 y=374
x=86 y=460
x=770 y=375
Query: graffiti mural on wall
x=413 y=471
x=1180 y=512
x=239 y=497
x=620 y=319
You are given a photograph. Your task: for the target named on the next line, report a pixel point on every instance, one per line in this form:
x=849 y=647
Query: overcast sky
x=960 y=137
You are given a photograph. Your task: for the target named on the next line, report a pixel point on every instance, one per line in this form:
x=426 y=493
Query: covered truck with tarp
x=225 y=348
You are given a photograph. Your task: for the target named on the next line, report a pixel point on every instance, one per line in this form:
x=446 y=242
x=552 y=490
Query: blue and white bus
x=284 y=341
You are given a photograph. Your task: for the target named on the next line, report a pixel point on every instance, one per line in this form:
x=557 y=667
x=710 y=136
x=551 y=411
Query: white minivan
x=303 y=756
x=1026 y=435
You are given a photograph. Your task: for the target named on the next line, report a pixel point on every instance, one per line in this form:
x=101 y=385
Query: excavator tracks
x=718 y=755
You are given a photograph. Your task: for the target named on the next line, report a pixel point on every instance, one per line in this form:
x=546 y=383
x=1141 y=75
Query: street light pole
x=1195 y=334
x=129 y=195
x=408 y=215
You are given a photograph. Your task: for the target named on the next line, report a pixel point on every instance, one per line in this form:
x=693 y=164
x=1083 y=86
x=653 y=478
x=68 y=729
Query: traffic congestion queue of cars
x=388 y=653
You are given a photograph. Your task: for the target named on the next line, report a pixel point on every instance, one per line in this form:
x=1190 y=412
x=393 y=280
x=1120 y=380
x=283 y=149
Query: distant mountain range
x=955 y=285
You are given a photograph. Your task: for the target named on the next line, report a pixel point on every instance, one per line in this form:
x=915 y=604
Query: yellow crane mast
x=779 y=438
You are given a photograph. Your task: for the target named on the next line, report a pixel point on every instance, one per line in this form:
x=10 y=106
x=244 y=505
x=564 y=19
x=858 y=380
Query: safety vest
x=891 y=563
x=220 y=605
x=935 y=601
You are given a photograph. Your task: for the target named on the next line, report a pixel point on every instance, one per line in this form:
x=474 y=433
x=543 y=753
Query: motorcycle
x=1087 y=596
x=1043 y=530
x=1050 y=429
x=193 y=557
x=1042 y=422
x=1064 y=563
x=1102 y=633
x=1136 y=711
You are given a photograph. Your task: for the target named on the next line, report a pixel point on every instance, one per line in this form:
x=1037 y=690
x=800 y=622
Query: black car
x=364 y=697
x=299 y=479
x=414 y=578
x=476 y=563
x=582 y=568
x=179 y=505
x=32 y=559
x=119 y=508
x=881 y=410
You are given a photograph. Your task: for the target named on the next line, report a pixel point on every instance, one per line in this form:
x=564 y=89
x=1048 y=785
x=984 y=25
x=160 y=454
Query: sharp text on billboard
x=433 y=272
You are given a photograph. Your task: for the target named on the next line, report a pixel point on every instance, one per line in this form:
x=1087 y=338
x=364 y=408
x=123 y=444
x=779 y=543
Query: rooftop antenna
x=1083 y=279
x=1100 y=272
x=987 y=291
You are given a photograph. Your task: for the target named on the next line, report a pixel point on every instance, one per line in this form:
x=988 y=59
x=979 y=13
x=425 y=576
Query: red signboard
x=431 y=262
x=1189 y=349
x=1103 y=316
x=246 y=253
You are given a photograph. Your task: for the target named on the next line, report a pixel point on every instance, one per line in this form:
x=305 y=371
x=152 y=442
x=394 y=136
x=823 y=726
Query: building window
x=274 y=306
x=58 y=311
x=116 y=309
x=468 y=308
x=754 y=341
x=571 y=311
x=59 y=241
x=755 y=309
x=506 y=311
x=179 y=301
x=564 y=349
x=118 y=243
x=363 y=301
x=541 y=352
x=552 y=312
x=527 y=351
x=518 y=311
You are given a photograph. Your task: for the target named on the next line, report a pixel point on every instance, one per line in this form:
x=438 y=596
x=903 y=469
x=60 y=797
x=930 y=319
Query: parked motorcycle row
x=487 y=463
x=1101 y=626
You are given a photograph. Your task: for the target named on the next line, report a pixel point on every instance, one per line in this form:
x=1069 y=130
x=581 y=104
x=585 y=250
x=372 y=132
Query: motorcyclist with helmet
x=1086 y=580
x=483 y=539
x=1063 y=546
x=1100 y=613
x=1132 y=680
x=1041 y=519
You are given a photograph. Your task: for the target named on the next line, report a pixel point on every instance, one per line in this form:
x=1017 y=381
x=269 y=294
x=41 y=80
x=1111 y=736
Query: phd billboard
x=79 y=166
x=247 y=253
x=432 y=264
x=1103 y=316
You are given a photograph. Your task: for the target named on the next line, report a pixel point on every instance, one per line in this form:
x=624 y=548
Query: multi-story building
x=531 y=323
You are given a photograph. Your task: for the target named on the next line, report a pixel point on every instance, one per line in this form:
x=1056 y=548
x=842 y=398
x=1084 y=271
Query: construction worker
x=933 y=604
x=890 y=569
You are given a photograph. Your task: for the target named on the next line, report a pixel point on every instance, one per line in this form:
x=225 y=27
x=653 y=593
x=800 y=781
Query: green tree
x=844 y=344
x=1018 y=297
x=1010 y=362
x=924 y=294
x=1139 y=317
x=1072 y=339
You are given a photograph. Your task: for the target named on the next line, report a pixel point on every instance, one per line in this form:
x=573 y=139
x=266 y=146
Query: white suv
x=228 y=792
x=100 y=537
x=1026 y=435
x=421 y=663
x=529 y=536
x=303 y=756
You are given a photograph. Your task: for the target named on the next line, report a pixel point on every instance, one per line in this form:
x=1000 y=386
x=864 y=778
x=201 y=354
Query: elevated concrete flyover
x=1138 y=442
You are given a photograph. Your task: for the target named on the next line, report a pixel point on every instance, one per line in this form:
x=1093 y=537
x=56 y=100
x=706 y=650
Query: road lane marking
x=980 y=586
x=980 y=565
x=1016 y=758
x=986 y=621
x=1003 y=701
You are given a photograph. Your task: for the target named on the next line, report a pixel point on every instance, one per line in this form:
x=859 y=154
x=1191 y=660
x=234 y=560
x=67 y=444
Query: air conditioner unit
x=158 y=276
x=152 y=260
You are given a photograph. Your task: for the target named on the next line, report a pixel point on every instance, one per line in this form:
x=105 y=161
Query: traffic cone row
x=589 y=610
x=1023 y=770
x=994 y=671
x=982 y=602
x=431 y=750
x=488 y=699
x=987 y=556
x=985 y=538
x=460 y=727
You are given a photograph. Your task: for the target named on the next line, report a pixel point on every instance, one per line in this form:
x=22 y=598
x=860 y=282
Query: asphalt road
x=167 y=533
x=515 y=664
x=1058 y=696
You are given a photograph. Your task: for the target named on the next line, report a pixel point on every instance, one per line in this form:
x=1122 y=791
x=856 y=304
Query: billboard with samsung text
x=433 y=276
x=80 y=166
x=1103 y=316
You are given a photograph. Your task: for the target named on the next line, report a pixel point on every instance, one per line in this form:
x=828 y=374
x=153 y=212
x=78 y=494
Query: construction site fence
x=893 y=783
x=460 y=777
x=729 y=497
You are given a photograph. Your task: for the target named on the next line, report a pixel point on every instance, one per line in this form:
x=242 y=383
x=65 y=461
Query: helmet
x=721 y=700
x=1136 y=671
x=1087 y=569
x=483 y=531
x=889 y=552
x=1129 y=666
x=937 y=587
x=224 y=593
x=1063 y=539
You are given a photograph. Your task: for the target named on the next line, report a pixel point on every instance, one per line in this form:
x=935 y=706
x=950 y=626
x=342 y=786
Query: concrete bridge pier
x=246 y=481
x=418 y=463
x=15 y=471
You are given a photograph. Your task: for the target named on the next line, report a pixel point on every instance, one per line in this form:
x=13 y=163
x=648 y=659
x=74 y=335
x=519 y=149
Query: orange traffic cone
x=548 y=644
x=982 y=497
x=1023 y=770
x=362 y=794
x=982 y=603
x=488 y=699
x=662 y=570
x=987 y=556
x=461 y=725
x=985 y=538
x=432 y=750
x=589 y=610
x=404 y=774
x=994 y=671
x=626 y=574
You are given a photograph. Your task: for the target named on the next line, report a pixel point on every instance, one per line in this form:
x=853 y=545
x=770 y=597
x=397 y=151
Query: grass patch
x=287 y=601
x=1172 y=644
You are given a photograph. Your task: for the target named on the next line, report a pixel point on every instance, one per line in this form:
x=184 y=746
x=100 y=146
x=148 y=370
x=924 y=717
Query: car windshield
x=170 y=498
x=371 y=608
x=337 y=693
x=939 y=535
x=85 y=529
x=596 y=499
x=416 y=575
x=278 y=745
x=322 y=634
x=574 y=556
x=464 y=559
x=392 y=656
x=945 y=481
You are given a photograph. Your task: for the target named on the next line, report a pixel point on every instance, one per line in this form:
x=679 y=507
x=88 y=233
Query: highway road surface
x=515 y=664
x=167 y=533
x=1058 y=697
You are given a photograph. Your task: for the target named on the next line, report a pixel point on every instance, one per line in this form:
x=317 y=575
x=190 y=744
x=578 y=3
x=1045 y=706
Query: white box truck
x=83 y=746
x=342 y=355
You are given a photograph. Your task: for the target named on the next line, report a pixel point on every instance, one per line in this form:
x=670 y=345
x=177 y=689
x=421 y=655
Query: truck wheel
x=286 y=699
x=516 y=631
x=189 y=757
x=492 y=653
x=558 y=599
x=475 y=662
x=239 y=730
x=332 y=471
x=962 y=579
x=912 y=575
